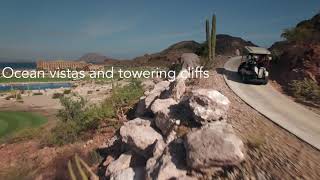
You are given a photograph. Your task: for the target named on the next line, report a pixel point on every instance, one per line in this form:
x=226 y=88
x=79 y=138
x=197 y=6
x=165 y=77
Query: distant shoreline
x=23 y=83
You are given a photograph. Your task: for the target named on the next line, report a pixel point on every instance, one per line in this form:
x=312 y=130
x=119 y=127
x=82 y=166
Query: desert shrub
x=37 y=93
x=62 y=134
x=89 y=92
x=57 y=95
x=127 y=95
x=297 y=34
x=306 y=90
x=67 y=91
x=18 y=97
x=72 y=108
x=76 y=118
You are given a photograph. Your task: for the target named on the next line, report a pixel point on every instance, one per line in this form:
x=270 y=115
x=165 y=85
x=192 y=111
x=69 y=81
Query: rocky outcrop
x=141 y=107
x=213 y=145
x=123 y=162
x=178 y=87
x=156 y=92
x=148 y=84
x=129 y=174
x=163 y=119
x=144 y=105
x=297 y=57
x=139 y=136
x=228 y=45
x=169 y=165
x=189 y=60
x=208 y=105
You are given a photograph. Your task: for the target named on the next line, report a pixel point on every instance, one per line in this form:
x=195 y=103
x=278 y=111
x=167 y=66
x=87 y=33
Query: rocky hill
x=94 y=58
x=298 y=56
x=226 y=45
x=169 y=55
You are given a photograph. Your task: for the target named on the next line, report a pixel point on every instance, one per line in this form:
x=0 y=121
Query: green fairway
x=11 y=121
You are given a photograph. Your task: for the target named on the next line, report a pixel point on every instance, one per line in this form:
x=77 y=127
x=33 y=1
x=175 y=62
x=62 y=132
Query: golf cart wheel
x=265 y=81
x=240 y=67
x=244 y=79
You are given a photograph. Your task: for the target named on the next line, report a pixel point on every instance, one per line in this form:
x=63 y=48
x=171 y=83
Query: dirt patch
x=272 y=152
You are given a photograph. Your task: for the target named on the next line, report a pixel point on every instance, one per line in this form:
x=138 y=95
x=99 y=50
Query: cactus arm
x=82 y=173
x=93 y=176
x=72 y=175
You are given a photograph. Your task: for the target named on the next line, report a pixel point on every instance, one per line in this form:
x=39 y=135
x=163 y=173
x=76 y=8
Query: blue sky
x=67 y=29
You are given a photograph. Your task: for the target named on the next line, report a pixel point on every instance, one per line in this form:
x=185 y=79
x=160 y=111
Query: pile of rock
x=152 y=136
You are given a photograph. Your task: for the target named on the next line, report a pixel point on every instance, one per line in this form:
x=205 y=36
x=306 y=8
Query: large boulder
x=141 y=107
x=213 y=145
x=123 y=162
x=208 y=105
x=163 y=115
x=178 y=87
x=169 y=165
x=156 y=92
x=189 y=60
x=148 y=84
x=139 y=136
x=158 y=149
x=129 y=174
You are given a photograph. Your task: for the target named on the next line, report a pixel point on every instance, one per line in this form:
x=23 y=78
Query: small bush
x=89 y=92
x=67 y=91
x=62 y=134
x=76 y=118
x=18 y=97
x=305 y=90
x=37 y=93
x=57 y=95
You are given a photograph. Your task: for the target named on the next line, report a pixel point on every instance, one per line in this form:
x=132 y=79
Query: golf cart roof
x=257 y=50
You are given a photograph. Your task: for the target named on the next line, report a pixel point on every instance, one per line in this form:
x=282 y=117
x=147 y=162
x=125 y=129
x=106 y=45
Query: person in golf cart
x=254 y=63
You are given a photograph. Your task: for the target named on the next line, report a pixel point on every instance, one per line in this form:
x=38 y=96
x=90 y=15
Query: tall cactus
x=208 y=37
x=213 y=37
x=207 y=30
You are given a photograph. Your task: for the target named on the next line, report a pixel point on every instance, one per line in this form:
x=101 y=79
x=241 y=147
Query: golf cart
x=254 y=63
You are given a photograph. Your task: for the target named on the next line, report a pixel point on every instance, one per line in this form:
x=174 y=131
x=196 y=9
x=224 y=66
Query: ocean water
x=19 y=65
x=34 y=86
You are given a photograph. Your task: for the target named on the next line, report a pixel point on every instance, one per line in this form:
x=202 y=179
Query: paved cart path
x=293 y=117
